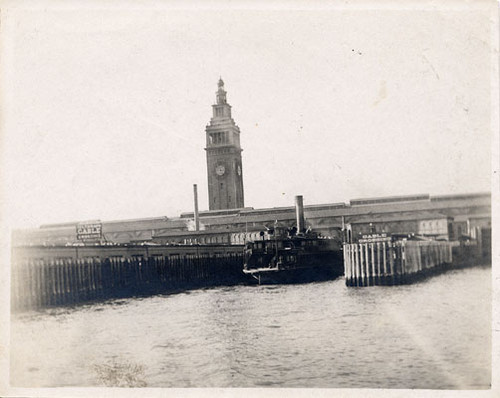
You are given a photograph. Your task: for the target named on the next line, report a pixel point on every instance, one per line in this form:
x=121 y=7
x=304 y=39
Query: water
x=434 y=334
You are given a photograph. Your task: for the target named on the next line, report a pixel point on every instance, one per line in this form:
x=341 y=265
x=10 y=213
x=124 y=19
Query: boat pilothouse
x=293 y=255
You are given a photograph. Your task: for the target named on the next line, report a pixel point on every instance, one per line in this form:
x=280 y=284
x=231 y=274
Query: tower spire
x=221 y=93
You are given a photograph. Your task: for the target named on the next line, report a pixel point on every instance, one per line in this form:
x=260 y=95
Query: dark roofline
x=250 y=211
x=129 y=220
x=66 y=224
x=366 y=219
x=461 y=196
x=389 y=199
x=214 y=213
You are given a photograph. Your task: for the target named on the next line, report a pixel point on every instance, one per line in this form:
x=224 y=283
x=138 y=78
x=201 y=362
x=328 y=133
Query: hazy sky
x=105 y=110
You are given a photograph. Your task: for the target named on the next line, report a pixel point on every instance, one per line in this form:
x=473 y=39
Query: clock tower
x=225 y=175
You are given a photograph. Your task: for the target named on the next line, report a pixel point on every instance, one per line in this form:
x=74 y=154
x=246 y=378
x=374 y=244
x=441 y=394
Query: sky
x=104 y=110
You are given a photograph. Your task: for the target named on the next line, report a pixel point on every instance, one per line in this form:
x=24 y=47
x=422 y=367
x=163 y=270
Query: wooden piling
x=347 y=272
x=358 y=267
x=379 y=263
x=56 y=281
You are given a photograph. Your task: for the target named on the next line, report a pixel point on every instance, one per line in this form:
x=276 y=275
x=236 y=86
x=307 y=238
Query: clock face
x=220 y=170
x=239 y=170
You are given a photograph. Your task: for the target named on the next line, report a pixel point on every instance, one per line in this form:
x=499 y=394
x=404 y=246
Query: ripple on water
x=314 y=335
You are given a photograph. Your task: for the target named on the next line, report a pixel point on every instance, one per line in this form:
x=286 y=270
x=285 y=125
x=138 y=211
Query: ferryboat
x=293 y=255
x=287 y=257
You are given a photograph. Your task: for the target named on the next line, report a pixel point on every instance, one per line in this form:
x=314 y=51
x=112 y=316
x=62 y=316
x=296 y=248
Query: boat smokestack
x=196 y=215
x=299 y=212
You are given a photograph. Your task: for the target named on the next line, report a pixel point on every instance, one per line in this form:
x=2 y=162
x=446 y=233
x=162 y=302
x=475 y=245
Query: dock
x=401 y=262
x=38 y=283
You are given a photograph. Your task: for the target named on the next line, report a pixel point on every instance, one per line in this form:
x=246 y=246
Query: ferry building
x=228 y=221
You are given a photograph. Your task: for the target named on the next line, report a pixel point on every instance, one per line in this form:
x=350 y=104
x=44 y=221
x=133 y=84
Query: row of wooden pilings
x=393 y=263
x=43 y=283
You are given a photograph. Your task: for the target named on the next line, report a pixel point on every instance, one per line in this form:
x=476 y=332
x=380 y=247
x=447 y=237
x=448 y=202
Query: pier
x=46 y=282
x=400 y=262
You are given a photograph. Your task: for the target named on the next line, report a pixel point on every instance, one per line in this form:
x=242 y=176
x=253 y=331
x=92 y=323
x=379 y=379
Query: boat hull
x=326 y=266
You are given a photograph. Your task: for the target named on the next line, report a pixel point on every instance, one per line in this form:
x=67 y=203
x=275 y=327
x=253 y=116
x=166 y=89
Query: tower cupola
x=221 y=93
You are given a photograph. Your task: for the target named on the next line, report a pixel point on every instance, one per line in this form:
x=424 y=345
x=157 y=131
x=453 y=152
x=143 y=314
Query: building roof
x=389 y=199
x=378 y=218
x=461 y=207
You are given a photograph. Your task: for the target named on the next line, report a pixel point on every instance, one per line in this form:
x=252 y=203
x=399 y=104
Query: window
x=215 y=138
